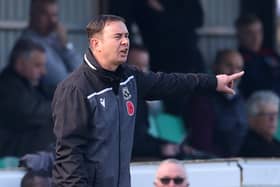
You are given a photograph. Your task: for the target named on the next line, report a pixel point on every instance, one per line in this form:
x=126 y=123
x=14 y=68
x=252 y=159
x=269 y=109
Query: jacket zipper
x=119 y=126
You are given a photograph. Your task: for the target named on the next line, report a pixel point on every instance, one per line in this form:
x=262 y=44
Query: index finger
x=236 y=75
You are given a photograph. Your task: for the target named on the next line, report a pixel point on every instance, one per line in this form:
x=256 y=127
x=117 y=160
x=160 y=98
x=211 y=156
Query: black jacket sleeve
x=70 y=114
x=162 y=85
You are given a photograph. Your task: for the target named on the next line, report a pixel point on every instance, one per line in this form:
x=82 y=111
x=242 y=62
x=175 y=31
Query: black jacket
x=256 y=146
x=94 y=112
x=25 y=116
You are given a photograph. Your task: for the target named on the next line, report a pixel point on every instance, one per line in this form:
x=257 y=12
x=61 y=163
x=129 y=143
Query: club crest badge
x=102 y=102
x=126 y=93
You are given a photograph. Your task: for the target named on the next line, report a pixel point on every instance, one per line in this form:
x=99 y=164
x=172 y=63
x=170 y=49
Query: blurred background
x=217 y=31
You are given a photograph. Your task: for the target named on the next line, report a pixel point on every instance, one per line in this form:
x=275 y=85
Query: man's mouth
x=124 y=51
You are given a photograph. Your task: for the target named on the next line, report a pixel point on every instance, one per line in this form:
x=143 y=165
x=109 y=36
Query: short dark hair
x=98 y=23
x=23 y=47
x=221 y=54
x=245 y=20
x=28 y=179
x=37 y=5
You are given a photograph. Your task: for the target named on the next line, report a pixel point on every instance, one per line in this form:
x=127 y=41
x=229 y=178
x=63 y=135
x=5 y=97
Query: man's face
x=265 y=122
x=251 y=36
x=48 y=18
x=171 y=175
x=114 y=43
x=140 y=59
x=230 y=64
x=33 y=67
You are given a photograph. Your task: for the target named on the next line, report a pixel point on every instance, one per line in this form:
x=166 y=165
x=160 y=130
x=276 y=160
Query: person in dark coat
x=94 y=109
x=25 y=120
x=171 y=26
x=45 y=28
x=263 y=113
x=260 y=61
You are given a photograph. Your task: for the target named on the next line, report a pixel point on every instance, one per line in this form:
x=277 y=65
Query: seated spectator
x=33 y=179
x=263 y=113
x=217 y=121
x=25 y=121
x=265 y=63
x=45 y=29
x=171 y=172
x=154 y=148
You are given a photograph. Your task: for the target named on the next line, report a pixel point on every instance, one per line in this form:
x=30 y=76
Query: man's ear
x=95 y=43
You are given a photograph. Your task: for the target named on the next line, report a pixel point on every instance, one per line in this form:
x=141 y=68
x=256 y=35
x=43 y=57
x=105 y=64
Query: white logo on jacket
x=102 y=102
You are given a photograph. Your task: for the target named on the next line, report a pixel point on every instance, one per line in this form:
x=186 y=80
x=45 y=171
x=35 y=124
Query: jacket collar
x=90 y=60
x=108 y=76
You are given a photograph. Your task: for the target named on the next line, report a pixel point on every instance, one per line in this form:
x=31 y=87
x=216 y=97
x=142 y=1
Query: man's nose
x=171 y=184
x=125 y=41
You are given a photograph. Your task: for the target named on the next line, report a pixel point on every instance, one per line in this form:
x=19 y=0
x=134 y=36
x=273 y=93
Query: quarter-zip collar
x=111 y=77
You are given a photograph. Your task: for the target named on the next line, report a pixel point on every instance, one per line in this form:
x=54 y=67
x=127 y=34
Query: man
x=218 y=121
x=263 y=111
x=259 y=61
x=94 y=108
x=45 y=28
x=171 y=173
x=25 y=121
x=166 y=16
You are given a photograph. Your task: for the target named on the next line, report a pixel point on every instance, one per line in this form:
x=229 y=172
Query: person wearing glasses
x=171 y=172
x=263 y=109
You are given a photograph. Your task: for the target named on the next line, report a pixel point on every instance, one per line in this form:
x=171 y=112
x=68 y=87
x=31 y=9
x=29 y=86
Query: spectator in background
x=25 y=120
x=263 y=113
x=171 y=172
x=45 y=28
x=168 y=29
x=34 y=179
x=139 y=57
x=146 y=147
x=217 y=121
x=264 y=63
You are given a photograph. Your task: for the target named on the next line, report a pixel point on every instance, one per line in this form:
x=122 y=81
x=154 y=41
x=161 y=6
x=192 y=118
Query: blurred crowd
x=215 y=125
